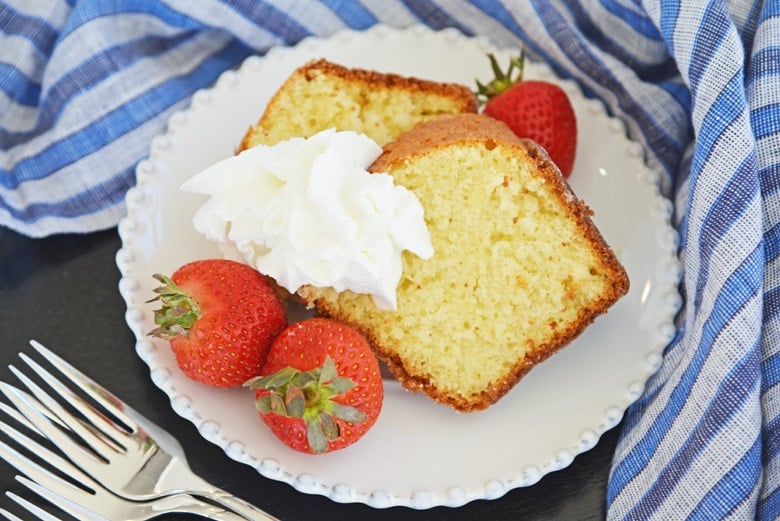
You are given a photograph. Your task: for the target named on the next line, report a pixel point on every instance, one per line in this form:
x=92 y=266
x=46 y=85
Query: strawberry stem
x=178 y=312
x=309 y=395
x=502 y=80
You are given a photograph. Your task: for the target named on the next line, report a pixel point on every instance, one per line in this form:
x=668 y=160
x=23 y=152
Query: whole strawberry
x=321 y=390
x=538 y=110
x=220 y=317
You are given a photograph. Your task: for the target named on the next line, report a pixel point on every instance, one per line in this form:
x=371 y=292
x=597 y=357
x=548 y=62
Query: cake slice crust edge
x=455 y=131
x=322 y=94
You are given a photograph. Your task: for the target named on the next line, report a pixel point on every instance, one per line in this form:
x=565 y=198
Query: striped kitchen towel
x=85 y=85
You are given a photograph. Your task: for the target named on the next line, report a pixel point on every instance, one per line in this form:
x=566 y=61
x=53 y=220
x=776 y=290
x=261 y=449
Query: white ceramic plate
x=419 y=454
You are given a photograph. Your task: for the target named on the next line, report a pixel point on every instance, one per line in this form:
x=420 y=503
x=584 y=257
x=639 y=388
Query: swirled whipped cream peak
x=306 y=211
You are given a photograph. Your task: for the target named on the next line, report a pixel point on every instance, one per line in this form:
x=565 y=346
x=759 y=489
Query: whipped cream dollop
x=306 y=211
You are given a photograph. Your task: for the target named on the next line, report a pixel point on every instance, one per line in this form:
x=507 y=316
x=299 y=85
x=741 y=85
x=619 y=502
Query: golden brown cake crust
x=464 y=99
x=390 y=80
x=442 y=131
x=446 y=131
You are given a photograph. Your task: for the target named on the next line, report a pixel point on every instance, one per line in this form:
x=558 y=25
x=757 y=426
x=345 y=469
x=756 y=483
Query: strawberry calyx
x=502 y=80
x=178 y=311
x=308 y=395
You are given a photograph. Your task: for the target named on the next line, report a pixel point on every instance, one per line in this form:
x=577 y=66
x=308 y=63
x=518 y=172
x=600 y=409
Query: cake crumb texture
x=322 y=94
x=519 y=269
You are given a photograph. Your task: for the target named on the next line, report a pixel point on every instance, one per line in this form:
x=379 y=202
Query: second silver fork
x=129 y=462
x=81 y=496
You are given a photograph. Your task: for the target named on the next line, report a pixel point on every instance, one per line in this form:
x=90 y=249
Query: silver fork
x=40 y=513
x=32 y=508
x=12 y=457
x=131 y=463
x=89 y=500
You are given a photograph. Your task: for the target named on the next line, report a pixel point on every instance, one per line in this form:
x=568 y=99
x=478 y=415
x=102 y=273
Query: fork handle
x=186 y=503
x=179 y=477
x=246 y=510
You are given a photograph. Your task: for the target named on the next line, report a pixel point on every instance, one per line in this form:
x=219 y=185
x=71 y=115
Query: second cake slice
x=322 y=94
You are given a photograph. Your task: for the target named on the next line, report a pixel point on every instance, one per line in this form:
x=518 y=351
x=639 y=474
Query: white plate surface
x=419 y=454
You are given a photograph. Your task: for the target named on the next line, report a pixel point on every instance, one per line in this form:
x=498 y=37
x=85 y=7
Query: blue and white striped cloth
x=85 y=85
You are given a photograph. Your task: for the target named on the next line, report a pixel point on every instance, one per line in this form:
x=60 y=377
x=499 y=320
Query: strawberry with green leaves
x=321 y=388
x=220 y=317
x=537 y=110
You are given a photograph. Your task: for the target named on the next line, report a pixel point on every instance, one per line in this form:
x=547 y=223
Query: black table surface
x=62 y=291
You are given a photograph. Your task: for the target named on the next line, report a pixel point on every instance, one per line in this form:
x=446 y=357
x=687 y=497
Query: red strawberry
x=538 y=110
x=322 y=389
x=221 y=317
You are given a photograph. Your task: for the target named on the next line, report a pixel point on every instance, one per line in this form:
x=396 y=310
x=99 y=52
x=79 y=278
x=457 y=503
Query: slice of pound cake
x=322 y=95
x=518 y=271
